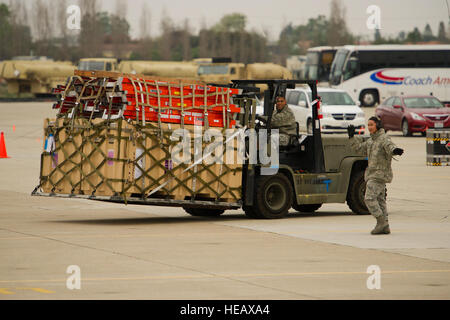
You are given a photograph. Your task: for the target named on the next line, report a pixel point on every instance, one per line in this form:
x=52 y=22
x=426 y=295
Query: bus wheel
x=368 y=98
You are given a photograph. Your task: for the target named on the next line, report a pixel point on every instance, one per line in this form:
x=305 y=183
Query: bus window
x=338 y=64
x=311 y=66
x=402 y=59
x=352 y=68
x=108 y=66
x=327 y=57
x=371 y=60
x=429 y=59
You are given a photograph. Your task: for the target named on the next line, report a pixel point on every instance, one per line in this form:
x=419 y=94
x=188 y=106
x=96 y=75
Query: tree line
x=40 y=29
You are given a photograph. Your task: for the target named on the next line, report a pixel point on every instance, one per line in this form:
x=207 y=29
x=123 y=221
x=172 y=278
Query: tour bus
x=372 y=73
x=318 y=64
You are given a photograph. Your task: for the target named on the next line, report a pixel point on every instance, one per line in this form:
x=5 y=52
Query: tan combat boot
x=386 y=229
x=382 y=226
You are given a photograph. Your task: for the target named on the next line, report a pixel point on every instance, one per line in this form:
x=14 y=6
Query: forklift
x=312 y=170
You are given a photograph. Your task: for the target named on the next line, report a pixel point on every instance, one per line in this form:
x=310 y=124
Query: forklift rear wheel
x=273 y=196
x=306 y=207
x=356 y=192
x=201 y=212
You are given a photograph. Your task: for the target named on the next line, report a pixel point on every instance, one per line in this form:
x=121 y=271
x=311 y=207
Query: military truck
x=208 y=70
x=163 y=69
x=222 y=71
x=35 y=75
x=98 y=64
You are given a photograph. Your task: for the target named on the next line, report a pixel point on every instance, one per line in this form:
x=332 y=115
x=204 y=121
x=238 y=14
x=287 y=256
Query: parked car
x=338 y=110
x=411 y=114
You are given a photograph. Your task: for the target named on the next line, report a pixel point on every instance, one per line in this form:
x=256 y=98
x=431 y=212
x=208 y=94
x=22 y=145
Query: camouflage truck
x=222 y=71
x=208 y=70
x=34 y=75
x=98 y=64
x=163 y=69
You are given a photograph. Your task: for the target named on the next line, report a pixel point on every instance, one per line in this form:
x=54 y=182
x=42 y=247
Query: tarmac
x=148 y=252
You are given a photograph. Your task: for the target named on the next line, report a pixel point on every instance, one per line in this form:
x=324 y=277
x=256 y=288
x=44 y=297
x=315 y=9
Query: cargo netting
x=112 y=137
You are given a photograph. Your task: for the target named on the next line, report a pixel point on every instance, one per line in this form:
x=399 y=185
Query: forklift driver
x=283 y=119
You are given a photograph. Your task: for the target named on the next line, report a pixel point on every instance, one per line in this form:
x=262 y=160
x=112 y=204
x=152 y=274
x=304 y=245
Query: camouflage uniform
x=284 y=121
x=379 y=150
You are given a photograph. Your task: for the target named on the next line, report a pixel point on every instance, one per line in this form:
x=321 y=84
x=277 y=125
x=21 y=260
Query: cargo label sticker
x=110 y=156
x=55 y=160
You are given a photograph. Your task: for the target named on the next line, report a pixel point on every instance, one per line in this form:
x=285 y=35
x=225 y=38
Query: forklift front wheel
x=251 y=213
x=273 y=196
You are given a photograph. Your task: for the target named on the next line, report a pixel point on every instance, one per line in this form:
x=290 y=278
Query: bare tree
x=14 y=27
x=186 y=40
x=146 y=44
x=144 y=23
x=90 y=37
x=337 y=29
x=165 y=43
x=41 y=20
x=203 y=41
x=121 y=8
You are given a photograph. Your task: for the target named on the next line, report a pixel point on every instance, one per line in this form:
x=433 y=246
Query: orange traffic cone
x=3 y=153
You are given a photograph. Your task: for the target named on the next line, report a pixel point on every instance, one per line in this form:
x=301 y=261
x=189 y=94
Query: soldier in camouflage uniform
x=379 y=150
x=283 y=119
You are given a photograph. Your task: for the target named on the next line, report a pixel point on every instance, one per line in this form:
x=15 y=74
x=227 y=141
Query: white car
x=338 y=110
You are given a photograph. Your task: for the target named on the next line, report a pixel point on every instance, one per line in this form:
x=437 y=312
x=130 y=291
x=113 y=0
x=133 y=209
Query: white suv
x=338 y=110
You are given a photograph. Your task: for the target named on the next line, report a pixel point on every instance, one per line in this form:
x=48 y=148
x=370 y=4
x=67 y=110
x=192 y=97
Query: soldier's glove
x=261 y=118
x=398 y=151
x=351 y=131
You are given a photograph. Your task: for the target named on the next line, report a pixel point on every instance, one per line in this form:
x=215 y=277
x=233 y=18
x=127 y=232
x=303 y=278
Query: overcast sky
x=272 y=15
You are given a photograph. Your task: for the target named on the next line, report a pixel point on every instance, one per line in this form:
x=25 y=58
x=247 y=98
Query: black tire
x=306 y=207
x=368 y=98
x=251 y=213
x=273 y=196
x=356 y=192
x=200 y=212
x=405 y=128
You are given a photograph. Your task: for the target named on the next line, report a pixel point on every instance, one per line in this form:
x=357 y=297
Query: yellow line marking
x=40 y=290
x=5 y=291
x=249 y=275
